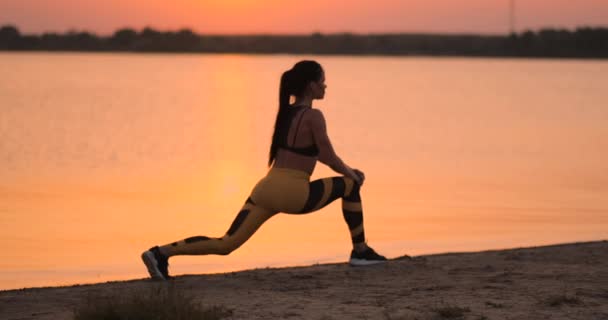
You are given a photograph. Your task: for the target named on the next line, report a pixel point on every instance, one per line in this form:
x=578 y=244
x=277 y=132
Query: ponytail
x=284 y=96
x=285 y=90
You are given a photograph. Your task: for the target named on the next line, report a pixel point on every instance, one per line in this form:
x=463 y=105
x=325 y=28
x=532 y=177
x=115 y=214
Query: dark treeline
x=581 y=43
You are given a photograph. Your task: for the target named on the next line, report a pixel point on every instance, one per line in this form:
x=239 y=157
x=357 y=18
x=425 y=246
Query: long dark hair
x=293 y=83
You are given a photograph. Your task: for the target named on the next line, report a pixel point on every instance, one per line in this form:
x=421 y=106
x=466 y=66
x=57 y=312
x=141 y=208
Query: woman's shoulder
x=314 y=118
x=314 y=114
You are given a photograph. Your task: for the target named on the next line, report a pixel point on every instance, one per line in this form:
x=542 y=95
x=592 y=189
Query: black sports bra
x=310 y=151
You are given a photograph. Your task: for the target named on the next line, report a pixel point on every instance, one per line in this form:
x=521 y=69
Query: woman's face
x=318 y=87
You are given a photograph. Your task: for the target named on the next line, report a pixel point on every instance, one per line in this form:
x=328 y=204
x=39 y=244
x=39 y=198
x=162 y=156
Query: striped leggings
x=282 y=190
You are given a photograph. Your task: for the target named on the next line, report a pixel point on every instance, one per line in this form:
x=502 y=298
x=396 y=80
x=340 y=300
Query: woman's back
x=299 y=150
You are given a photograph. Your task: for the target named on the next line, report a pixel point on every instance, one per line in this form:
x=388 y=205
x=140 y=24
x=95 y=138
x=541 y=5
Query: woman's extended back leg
x=248 y=220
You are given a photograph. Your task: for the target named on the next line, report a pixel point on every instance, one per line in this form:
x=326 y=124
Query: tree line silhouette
x=584 y=42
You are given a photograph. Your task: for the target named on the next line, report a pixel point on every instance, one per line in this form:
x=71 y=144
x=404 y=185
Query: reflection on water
x=105 y=155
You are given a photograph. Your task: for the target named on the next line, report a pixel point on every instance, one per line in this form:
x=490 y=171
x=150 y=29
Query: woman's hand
x=361 y=176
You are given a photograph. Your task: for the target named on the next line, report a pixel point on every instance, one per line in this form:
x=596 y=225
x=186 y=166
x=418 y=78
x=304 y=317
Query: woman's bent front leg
x=325 y=191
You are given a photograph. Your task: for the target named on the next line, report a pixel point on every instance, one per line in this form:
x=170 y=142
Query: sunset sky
x=283 y=16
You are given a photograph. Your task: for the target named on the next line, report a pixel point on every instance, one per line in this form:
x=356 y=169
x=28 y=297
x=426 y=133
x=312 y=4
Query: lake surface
x=105 y=155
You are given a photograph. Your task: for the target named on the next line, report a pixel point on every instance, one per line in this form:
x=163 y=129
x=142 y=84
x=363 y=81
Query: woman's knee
x=351 y=190
x=227 y=246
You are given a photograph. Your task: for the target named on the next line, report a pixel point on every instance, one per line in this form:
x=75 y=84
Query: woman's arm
x=327 y=155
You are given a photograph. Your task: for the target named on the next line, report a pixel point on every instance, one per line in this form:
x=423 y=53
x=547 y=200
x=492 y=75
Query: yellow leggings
x=282 y=190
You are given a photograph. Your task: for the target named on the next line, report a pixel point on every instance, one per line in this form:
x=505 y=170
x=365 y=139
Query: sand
x=568 y=281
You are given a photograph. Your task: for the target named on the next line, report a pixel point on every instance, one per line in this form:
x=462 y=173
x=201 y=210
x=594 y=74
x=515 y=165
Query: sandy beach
x=566 y=281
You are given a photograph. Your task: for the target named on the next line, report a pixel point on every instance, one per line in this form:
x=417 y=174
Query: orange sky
x=274 y=16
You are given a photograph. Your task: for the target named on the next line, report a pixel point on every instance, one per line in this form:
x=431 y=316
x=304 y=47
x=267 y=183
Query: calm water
x=105 y=155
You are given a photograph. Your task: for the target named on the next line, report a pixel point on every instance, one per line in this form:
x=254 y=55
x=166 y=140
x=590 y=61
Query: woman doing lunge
x=299 y=140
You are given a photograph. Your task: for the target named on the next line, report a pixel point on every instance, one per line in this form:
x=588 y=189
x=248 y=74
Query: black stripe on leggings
x=196 y=239
x=359 y=238
x=353 y=218
x=337 y=189
x=238 y=221
x=314 y=195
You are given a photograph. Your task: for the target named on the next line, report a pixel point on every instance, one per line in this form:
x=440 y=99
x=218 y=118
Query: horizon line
x=313 y=32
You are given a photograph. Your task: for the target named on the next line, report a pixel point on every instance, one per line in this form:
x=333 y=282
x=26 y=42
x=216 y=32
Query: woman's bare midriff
x=291 y=160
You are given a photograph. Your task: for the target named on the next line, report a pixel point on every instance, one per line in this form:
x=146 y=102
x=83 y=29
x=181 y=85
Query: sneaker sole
x=363 y=262
x=150 y=262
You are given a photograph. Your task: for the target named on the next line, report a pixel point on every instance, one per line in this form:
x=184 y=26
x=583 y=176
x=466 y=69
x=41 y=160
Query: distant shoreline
x=582 y=43
x=598 y=59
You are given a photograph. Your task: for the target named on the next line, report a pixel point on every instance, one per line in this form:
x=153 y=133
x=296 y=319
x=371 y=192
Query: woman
x=299 y=140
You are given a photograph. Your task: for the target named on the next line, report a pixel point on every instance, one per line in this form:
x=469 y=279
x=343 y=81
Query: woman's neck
x=303 y=101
